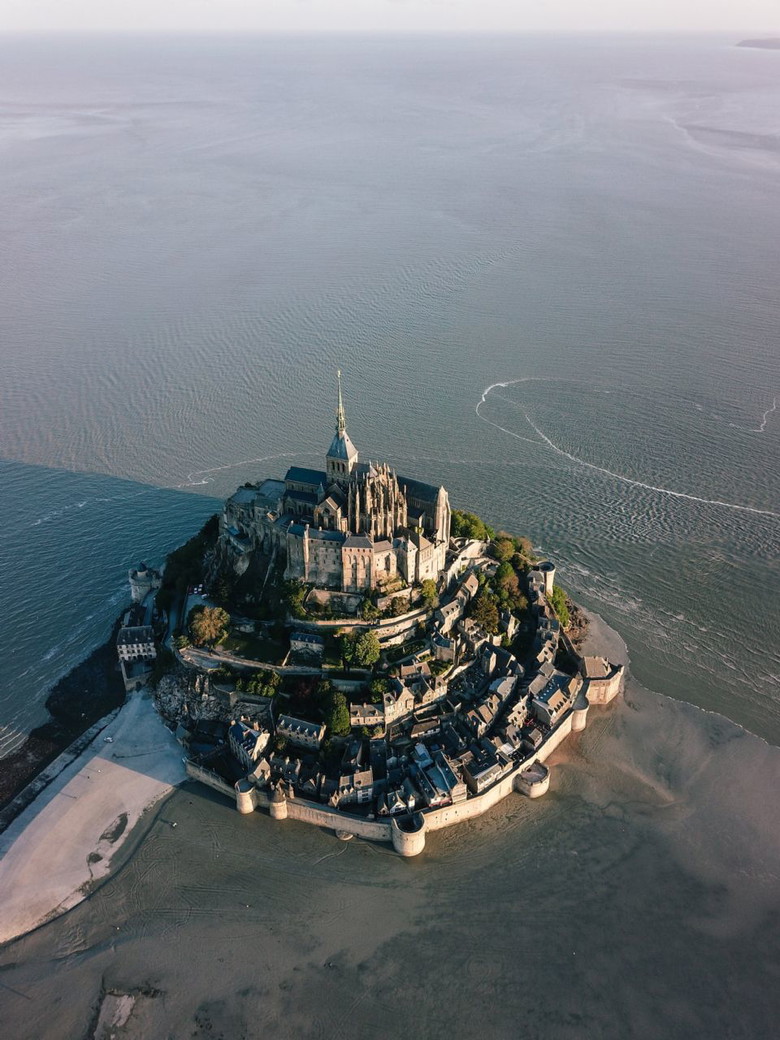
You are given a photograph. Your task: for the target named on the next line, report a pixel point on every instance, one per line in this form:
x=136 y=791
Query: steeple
x=342 y=455
x=341 y=416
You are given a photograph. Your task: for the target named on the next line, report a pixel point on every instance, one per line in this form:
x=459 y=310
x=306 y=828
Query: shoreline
x=65 y=839
x=74 y=824
x=71 y=834
x=80 y=701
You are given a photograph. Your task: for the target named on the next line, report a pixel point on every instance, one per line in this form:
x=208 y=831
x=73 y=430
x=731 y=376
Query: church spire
x=341 y=417
x=342 y=456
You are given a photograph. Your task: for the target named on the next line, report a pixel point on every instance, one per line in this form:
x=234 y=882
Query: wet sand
x=639 y=898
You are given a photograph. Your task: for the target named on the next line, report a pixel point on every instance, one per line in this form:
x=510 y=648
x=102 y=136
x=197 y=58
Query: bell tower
x=342 y=455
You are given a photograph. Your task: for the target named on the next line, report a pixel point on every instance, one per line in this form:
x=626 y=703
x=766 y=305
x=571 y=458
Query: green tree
x=182 y=642
x=262 y=683
x=323 y=692
x=503 y=547
x=560 y=605
x=293 y=593
x=429 y=594
x=360 y=649
x=337 y=715
x=184 y=566
x=504 y=572
x=378 y=688
x=368 y=610
x=507 y=584
x=348 y=649
x=525 y=547
x=468 y=525
x=484 y=610
x=399 y=605
x=367 y=649
x=208 y=625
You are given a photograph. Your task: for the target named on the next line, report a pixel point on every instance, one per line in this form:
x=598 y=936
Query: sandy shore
x=638 y=899
x=602 y=641
x=65 y=840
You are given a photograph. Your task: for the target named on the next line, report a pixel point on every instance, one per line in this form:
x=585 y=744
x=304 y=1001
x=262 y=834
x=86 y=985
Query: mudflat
x=639 y=898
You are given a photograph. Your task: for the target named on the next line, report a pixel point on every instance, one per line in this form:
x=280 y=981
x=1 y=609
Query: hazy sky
x=392 y=15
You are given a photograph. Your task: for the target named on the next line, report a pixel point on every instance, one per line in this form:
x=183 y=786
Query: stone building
x=353 y=526
x=137 y=652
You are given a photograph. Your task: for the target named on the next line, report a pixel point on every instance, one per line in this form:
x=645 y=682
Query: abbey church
x=353 y=526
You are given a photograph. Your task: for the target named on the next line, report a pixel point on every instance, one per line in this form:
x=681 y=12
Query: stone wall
x=408 y=841
x=210 y=779
x=602 y=691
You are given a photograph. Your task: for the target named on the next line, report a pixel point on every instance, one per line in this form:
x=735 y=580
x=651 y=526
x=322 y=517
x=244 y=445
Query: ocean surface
x=548 y=269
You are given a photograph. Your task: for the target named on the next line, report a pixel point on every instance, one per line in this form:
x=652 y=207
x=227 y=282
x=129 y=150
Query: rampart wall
x=408 y=840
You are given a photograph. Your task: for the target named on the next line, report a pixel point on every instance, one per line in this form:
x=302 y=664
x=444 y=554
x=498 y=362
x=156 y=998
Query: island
x=345 y=649
x=768 y=44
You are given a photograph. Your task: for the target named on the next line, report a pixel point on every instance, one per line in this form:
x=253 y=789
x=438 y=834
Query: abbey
x=353 y=526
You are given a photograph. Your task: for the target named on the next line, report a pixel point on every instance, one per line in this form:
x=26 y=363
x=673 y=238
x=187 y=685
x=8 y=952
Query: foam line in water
x=608 y=472
x=203 y=473
x=762 y=425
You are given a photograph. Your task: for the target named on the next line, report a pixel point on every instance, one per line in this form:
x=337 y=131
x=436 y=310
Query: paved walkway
x=66 y=838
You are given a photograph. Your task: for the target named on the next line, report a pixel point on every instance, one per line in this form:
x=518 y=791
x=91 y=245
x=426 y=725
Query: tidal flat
x=639 y=898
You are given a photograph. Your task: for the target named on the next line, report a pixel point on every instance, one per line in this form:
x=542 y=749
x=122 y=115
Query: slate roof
x=341 y=447
x=417 y=489
x=301 y=475
x=307 y=497
x=358 y=541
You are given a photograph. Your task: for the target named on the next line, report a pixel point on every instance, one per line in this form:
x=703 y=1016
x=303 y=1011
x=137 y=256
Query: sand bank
x=65 y=840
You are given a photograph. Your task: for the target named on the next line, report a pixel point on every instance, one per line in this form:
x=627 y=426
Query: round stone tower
x=408 y=834
x=245 y=796
x=534 y=781
x=547 y=567
x=278 y=806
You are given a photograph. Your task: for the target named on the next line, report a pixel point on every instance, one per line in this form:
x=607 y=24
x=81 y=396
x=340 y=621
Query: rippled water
x=547 y=268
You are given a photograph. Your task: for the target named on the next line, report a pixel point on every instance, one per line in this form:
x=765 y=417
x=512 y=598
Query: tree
x=337 y=715
x=223 y=588
x=348 y=649
x=398 y=605
x=294 y=593
x=468 y=525
x=507 y=584
x=377 y=689
x=182 y=642
x=429 y=594
x=208 y=624
x=560 y=605
x=484 y=611
x=361 y=649
x=504 y=572
x=368 y=610
x=503 y=547
x=262 y=683
x=367 y=649
x=525 y=547
x=184 y=566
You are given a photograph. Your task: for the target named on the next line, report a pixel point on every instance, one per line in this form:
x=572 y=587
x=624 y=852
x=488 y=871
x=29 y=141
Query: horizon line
x=380 y=31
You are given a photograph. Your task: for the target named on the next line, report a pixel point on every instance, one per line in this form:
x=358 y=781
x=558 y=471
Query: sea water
x=547 y=268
